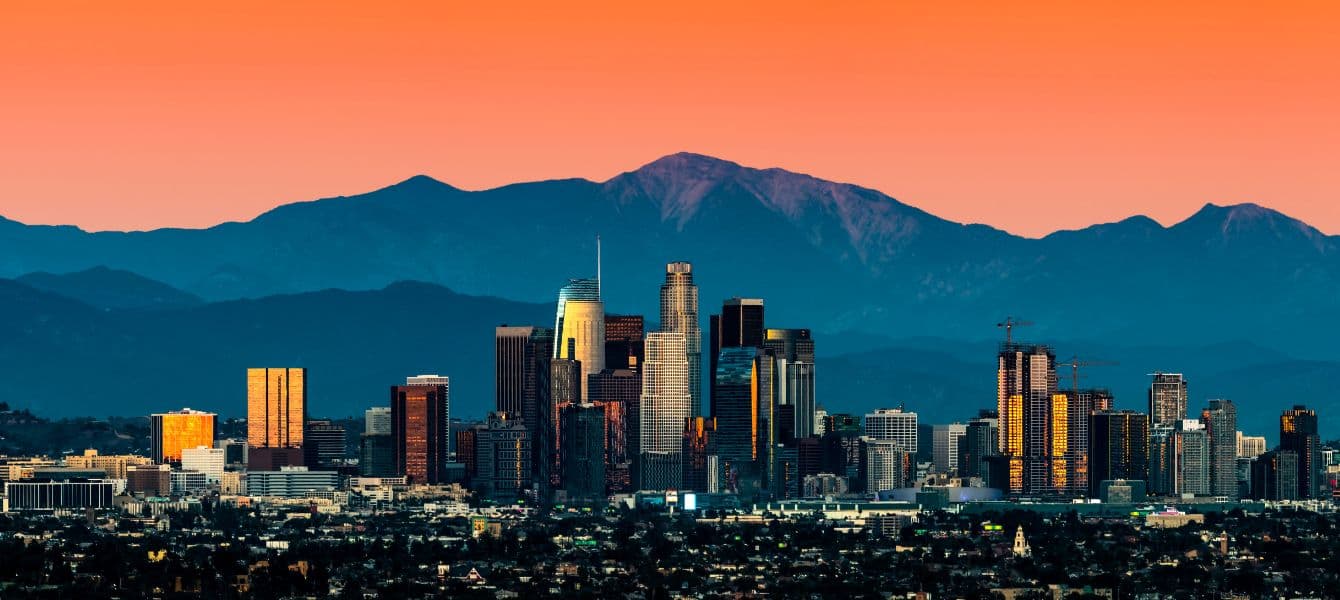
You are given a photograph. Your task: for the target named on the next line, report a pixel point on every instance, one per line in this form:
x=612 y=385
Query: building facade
x=679 y=314
x=170 y=432
x=662 y=411
x=420 y=424
x=276 y=417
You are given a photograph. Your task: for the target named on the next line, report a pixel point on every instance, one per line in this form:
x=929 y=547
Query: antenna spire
x=597 y=265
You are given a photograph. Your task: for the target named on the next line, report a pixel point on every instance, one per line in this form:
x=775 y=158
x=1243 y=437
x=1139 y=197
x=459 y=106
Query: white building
x=290 y=482
x=203 y=459
x=665 y=404
x=886 y=465
x=945 y=441
x=893 y=424
x=377 y=420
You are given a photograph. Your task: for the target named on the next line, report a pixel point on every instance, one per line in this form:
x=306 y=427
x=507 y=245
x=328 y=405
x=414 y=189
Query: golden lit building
x=276 y=416
x=170 y=432
x=113 y=465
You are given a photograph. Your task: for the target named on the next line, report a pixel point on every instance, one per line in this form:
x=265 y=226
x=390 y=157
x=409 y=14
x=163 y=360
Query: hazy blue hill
x=60 y=357
x=102 y=287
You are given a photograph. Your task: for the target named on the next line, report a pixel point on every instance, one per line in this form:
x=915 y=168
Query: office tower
x=794 y=349
x=841 y=448
x=887 y=465
x=619 y=393
x=149 y=480
x=565 y=389
x=376 y=455
x=204 y=459
x=735 y=406
x=740 y=325
x=377 y=421
x=583 y=461
x=810 y=456
x=893 y=424
x=502 y=458
x=171 y=432
x=276 y=417
x=521 y=370
x=784 y=478
x=1298 y=434
x=1068 y=438
x=1119 y=447
x=1027 y=401
x=980 y=441
x=234 y=452
x=466 y=449
x=324 y=444
x=662 y=410
x=623 y=341
x=925 y=451
x=1167 y=399
x=1251 y=446
x=946 y=441
x=679 y=314
x=1275 y=475
x=420 y=423
x=580 y=326
x=1221 y=424
x=699 y=444
x=1194 y=466
x=1164 y=460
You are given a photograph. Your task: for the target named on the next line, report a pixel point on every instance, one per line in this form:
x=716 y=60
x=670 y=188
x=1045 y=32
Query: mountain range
x=871 y=273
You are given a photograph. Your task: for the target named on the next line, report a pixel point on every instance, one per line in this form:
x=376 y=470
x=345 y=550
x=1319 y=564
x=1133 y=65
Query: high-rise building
x=377 y=455
x=679 y=314
x=502 y=458
x=1119 y=447
x=735 y=407
x=171 y=432
x=324 y=444
x=1275 y=475
x=420 y=424
x=1167 y=399
x=1298 y=433
x=980 y=441
x=895 y=425
x=521 y=374
x=234 y=452
x=841 y=449
x=565 y=389
x=1251 y=446
x=619 y=393
x=740 y=325
x=583 y=461
x=623 y=341
x=794 y=349
x=699 y=445
x=377 y=421
x=204 y=459
x=1221 y=424
x=662 y=410
x=580 y=326
x=276 y=417
x=1195 y=463
x=1164 y=460
x=887 y=465
x=947 y=441
x=1034 y=421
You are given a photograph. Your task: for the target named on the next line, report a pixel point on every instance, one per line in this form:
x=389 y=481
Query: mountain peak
x=1221 y=225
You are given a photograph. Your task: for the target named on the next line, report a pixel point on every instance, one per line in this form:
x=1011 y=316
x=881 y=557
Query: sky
x=1029 y=116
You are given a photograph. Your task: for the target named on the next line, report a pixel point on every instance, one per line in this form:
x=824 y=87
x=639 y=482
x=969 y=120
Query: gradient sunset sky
x=1030 y=116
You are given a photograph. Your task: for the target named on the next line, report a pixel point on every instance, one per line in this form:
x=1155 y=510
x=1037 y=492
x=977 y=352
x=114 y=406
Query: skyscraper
x=623 y=341
x=583 y=461
x=1032 y=430
x=947 y=441
x=502 y=458
x=735 y=407
x=740 y=324
x=172 y=432
x=980 y=441
x=420 y=424
x=1119 y=447
x=895 y=425
x=377 y=420
x=514 y=365
x=1164 y=461
x=887 y=465
x=1194 y=445
x=679 y=314
x=580 y=326
x=1167 y=399
x=794 y=349
x=276 y=417
x=1221 y=423
x=662 y=411
x=565 y=389
x=1298 y=434
x=1275 y=475
x=619 y=393
x=323 y=444
x=699 y=446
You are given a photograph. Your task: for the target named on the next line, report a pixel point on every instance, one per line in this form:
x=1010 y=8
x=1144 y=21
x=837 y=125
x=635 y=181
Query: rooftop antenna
x=597 y=265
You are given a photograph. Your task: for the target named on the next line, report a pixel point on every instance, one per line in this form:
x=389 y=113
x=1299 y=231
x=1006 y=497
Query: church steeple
x=1020 y=544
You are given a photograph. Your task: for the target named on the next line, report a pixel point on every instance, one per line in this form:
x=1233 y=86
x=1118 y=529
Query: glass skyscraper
x=1167 y=399
x=580 y=326
x=276 y=417
x=679 y=314
x=663 y=409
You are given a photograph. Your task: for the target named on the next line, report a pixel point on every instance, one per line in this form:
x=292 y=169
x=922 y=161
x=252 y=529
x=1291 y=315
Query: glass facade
x=172 y=432
x=419 y=430
x=276 y=407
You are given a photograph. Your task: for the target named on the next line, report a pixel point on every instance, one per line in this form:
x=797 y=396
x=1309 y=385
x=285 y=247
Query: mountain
x=62 y=357
x=102 y=287
x=830 y=256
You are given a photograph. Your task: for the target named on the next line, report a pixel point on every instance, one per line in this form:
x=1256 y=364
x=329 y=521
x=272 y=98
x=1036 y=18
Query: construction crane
x=1076 y=362
x=1009 y=324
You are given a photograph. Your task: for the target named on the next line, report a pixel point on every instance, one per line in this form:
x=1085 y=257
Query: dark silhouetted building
x=623 y=342
x=1275 y=475
x=583 y=452
x=502 y=459
x=699 y=447
x=740 y=325
x=1298 y=434
x=324 y=444
x=376 y=455
x=619 y=394
x=1119 y=447
x=980 y=441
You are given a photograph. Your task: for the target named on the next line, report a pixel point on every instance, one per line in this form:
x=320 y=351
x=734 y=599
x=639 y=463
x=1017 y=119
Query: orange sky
x=145 y=114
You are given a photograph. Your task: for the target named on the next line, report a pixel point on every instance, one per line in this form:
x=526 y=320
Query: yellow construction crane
x=1009 y=324
x=1076 y=362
